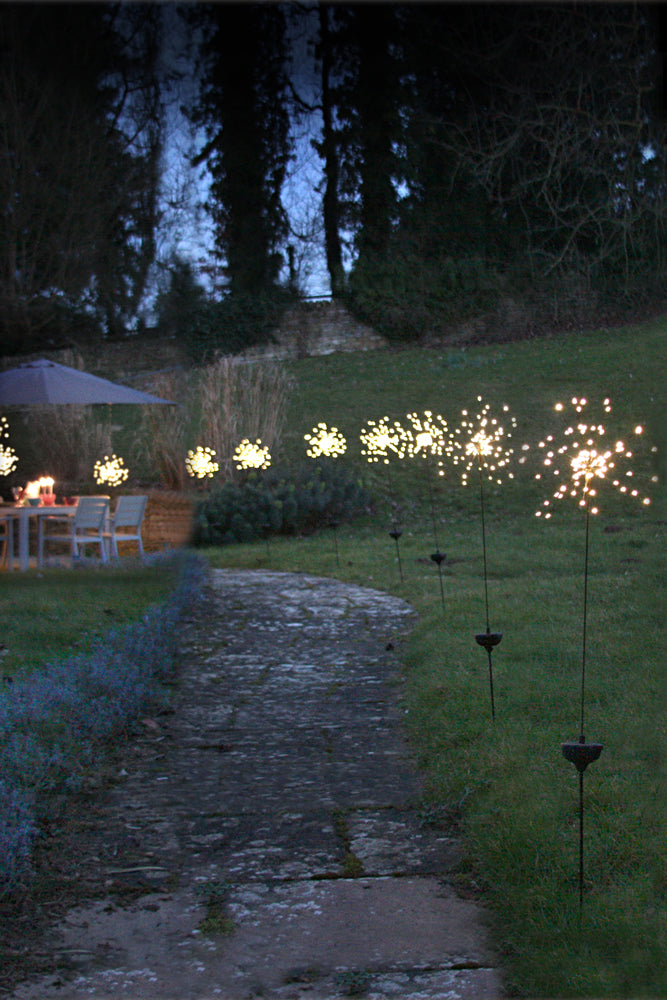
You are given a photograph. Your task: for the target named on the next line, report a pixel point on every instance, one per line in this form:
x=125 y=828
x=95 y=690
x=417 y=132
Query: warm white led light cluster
x=325 y=441
x=110 y=471
x=8 y=457
x=200 y=463
x=430 y=437
x=380 y=439
x=252 y=455
x=582 y=461
x=482 y=442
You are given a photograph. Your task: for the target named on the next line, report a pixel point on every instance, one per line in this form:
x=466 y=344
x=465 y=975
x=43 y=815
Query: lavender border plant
x=55 y=723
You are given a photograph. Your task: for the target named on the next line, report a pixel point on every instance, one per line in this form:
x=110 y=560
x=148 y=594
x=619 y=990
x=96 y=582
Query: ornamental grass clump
x=241 y=400
x=56 y=723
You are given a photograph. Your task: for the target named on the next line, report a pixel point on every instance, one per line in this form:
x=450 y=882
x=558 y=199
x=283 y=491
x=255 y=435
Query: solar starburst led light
x=110 y=471
x=201 y=463
x=583 y=464
x=252 y=455
x=483 y=444
x=8 y=457
x=327 y=442
x=584 y=460
x=380 y=442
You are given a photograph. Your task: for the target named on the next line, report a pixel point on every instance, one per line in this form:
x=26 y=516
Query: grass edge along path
x=56 y=721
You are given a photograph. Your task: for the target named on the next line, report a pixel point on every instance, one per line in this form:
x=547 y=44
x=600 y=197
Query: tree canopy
x=80 y=142
x=502 y=161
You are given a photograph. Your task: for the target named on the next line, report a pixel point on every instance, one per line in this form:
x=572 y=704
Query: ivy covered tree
x=243 y=110
x=328 y=150
x=366 y=94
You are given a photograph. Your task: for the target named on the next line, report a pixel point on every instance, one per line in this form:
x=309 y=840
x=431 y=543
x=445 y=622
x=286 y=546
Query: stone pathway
x=265 y=838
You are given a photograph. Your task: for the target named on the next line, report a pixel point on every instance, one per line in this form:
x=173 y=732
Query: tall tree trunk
x=330 y=204
x=377 y=126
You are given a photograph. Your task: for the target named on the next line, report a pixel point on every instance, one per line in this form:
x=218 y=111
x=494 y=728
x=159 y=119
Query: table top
x=12 y=510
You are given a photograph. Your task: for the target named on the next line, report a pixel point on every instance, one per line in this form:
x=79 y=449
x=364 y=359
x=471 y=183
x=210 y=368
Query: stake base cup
x=581 y=754
x=488 y=639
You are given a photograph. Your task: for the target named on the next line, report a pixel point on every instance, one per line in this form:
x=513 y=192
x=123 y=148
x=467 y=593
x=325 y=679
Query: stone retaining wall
x=322 y=328
x=308 y=329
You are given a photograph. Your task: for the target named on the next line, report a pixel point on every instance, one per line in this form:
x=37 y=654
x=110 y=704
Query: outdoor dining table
x=23 y=516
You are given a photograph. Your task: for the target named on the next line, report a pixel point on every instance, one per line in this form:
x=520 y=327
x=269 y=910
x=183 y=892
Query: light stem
x=481 y=498
x=583 y=644
x=432 y=504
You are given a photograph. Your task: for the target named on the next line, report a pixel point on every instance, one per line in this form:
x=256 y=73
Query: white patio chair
x=84 y=527
x=128 y=517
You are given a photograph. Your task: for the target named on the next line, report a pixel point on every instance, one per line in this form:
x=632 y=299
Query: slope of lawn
x=504 y=784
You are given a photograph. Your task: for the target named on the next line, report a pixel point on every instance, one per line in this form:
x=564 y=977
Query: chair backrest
x=91 y=512
x=129 y=512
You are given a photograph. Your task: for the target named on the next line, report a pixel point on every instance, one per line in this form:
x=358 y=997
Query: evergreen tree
x=243 y=111
x=366 y=108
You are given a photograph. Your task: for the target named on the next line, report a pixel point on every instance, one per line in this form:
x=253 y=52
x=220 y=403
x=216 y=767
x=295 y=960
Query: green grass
x=506 y=786
x=56 y=613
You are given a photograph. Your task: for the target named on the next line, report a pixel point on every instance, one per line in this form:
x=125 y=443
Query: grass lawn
x=506 y=785
x=58 y=612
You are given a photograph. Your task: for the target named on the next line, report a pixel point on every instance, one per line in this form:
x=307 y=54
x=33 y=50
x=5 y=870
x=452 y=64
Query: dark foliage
x=243 y=110
x=237 y=322
x=522 y=181
x=80 y=136
x=275 y=502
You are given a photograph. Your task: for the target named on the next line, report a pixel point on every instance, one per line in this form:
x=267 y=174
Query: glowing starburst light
x=110 y=471
x=582 y=462
x=380 y=439
x=430 y=437
x=8 y=457
x=483 y=443
x=249 y=455
x=325 y=441
x=200 y=463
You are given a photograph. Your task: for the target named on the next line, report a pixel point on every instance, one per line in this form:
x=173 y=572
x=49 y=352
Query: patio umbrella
x=40 y=383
